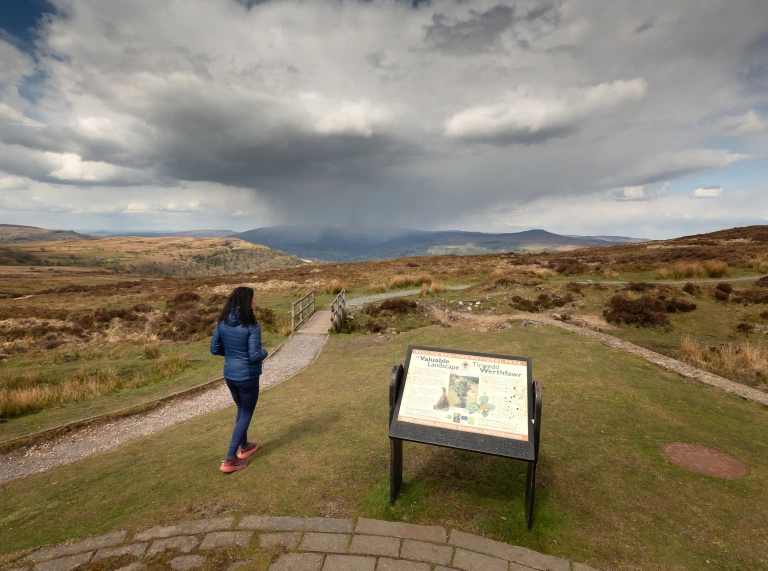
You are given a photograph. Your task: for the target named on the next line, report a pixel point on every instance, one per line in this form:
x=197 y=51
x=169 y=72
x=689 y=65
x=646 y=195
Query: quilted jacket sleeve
x=217 y=347
x=255 y=351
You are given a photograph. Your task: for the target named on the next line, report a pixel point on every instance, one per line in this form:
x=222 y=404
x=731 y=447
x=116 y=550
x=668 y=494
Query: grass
x=743 y=361
x=29 y=393
x=606 y=496
x=202 y=367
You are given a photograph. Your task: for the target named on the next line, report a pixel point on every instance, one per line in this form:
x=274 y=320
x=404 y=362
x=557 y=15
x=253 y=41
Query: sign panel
x=466 y=400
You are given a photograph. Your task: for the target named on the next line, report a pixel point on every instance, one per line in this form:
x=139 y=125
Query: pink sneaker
x=228 y=466
x=249 y=449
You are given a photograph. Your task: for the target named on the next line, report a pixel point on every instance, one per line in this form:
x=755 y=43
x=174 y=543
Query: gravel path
x=297 y=352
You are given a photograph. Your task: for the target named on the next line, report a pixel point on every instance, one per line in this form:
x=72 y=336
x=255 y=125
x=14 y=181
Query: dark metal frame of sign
x=498 y=446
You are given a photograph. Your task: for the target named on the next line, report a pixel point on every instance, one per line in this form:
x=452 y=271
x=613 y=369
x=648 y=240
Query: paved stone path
x=295 y=544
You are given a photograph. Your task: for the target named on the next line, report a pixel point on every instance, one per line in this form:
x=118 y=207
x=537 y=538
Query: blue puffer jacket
x=241 y=348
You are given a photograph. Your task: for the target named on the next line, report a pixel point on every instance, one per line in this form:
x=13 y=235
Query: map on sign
x=472 y=393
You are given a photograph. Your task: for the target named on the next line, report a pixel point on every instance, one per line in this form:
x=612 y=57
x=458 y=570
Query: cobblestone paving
x=311 y=544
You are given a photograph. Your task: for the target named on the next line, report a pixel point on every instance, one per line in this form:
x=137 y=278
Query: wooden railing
x=306 y=307
x=339 y=311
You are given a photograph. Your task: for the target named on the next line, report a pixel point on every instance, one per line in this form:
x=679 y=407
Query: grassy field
x=606 y=495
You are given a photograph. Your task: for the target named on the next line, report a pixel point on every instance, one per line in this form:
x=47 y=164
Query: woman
x=238 y=338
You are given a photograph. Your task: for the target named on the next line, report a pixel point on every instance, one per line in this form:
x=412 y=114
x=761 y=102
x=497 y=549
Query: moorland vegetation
x=76 y=343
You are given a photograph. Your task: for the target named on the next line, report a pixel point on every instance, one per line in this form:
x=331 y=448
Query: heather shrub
x=726 y=287
x=186 y=297
x=646 y=311
x=692 y=289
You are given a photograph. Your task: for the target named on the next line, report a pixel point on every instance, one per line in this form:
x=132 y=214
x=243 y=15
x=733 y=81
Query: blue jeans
x=246 y=395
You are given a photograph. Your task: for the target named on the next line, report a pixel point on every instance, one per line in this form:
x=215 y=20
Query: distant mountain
x=184 y=234
x=10 y=233
x=334 y=244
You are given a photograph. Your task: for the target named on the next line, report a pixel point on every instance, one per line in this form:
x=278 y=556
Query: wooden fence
x=306 y=307
x=339 y=311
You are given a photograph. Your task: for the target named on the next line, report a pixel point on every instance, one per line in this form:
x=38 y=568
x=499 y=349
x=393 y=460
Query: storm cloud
x=447 y=114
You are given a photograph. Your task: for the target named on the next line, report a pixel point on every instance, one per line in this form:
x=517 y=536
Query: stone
x=10 y=567
x=375 y=545
x=184 y=562
x=470 y=561
x=135 y=566
x=321 y=524
x=404 y=530
x=289 y=539
x=349 y=563
x=90 y=544
x=400 y=565
x=186 y=528
x=238 y=564
x=512 y=553
x=518 y=567
x=135 y=549
x=183 y=543
x=440 y=554
x=226 y=539
x=582 y=567
x=327 y=542
x=64 y=563
x=298 y=562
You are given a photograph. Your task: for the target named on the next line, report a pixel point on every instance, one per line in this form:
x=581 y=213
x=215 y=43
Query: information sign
x=466 y=400
x=472 y=401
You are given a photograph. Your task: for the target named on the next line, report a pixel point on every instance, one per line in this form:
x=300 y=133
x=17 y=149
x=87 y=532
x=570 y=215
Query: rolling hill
x=10 y=233
x=330 y=243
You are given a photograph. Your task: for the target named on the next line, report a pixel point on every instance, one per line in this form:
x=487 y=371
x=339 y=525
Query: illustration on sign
x=471 y=393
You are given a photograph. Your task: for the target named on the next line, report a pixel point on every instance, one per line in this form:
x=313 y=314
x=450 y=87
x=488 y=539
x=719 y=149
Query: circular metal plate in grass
x=705 y=460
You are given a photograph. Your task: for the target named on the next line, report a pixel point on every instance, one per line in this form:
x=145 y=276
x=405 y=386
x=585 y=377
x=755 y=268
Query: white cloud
x=749 y=123
x=524 y=113
x=707 y=192
x=12 y=183
x=641 y=192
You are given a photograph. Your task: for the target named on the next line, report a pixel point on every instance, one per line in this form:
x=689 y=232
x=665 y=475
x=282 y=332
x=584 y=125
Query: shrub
x=264 y=315
x=744 y=328
x=720 y=295
x=378 y=287
x=142 y=308
x=610 y=274
x=676 y=305
x=692 y=289
x=715 y=268
x=764 y=315
x=405 y=280
x=151 y=350
x=726 y=287
x=646 y=311
x=687 y=269
x=335 y=286
x=186 y=297
x=497 y=273
x=662 y=273
x=762 y=282
x=544 y=273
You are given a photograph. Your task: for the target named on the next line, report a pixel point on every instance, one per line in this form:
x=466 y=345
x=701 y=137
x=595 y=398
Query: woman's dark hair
x=239 y=303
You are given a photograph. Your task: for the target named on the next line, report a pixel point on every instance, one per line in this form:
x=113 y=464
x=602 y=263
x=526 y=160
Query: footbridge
x=306 y=318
